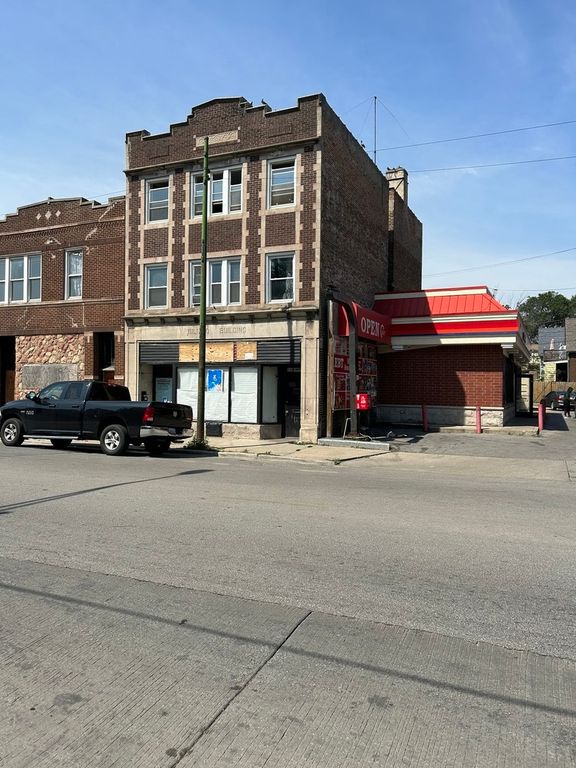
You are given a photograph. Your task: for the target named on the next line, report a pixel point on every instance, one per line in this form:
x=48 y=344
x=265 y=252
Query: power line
x=477 y=135
x=501 y=263
x=493 y=165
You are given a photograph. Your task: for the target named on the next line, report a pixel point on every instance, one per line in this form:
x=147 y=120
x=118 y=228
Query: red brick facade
x=471 y=375
x=56 y=328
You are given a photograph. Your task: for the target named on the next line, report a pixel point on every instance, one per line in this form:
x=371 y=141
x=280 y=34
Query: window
x=156 y=286
x=281 y=277
x=20 y=279
x=224 y=192
x=74 y=266
x=281 y=182
x=223 y=282
x=157 y=201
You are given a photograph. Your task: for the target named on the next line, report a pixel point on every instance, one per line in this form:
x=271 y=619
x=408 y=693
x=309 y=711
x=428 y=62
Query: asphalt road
x=374 y=613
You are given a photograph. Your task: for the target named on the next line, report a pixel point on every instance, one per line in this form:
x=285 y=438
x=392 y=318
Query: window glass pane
x=2 y=269
x=17 y=290
x=157 y=297
x=74 y=286
x=281 y=283
x=282 y=184
x=198 y=196
x=34 y=266
x=234 y=271
x=156 y=276
x=217 y=188
x=244 y=395
x=234 y=293
x=17 y=268
x=158 y=201
x=216 y=271
x=195 y=283
x=53 y=391
x=34 y=289
x=236 y=190
x=74 y=262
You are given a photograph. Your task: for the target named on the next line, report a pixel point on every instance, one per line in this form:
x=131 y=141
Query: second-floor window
x=74 y=269
x=224 y=192
x=156 y=286
x=281 y=186
x=20 y=279
x=157 y=201
x=280 y=277
x=223 y=282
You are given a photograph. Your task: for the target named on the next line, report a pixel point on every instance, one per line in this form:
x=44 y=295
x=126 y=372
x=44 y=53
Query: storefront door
x=289 y=400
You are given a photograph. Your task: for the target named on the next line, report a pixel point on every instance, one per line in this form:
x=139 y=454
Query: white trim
x=25 y=280
x=147 y=269
x=434 y=341
x=455 y=318
x=432 y=292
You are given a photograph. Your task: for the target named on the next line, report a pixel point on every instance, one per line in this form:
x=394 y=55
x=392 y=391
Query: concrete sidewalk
x=516 y=450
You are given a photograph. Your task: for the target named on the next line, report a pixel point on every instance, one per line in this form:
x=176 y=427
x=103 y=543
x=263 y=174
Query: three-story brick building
x=296 y=209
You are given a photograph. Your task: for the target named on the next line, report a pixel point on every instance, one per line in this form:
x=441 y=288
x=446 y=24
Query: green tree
x=547 y=310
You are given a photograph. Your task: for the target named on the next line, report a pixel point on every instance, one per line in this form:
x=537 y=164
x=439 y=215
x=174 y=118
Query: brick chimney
x=398 y=181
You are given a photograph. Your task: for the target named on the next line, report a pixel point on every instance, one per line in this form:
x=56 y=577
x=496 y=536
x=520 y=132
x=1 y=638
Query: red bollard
x=541 y=415
x=478 y=420
x=424 y=419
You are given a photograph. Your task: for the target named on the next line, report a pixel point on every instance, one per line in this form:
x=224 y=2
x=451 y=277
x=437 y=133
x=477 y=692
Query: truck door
x=41 y=416
x=70 y=409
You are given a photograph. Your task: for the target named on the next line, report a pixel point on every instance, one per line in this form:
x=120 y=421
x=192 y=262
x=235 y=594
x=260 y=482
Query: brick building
x=452 y=350
x=297 y=211
x=61 y=293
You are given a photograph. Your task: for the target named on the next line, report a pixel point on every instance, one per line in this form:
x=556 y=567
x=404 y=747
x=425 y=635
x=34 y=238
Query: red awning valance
x=370 y=325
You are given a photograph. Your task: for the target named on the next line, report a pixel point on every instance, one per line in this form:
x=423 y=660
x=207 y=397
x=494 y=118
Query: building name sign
x=223 y=331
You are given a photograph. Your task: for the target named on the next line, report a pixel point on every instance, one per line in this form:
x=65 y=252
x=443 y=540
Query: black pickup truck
x=91 y=410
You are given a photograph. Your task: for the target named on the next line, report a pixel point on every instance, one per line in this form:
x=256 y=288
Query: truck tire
x=60 y=442
x=156 y=445
x=12 y=433
x=114 y=440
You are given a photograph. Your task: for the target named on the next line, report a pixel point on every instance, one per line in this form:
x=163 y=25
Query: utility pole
x=200 y=431
x=375 y=98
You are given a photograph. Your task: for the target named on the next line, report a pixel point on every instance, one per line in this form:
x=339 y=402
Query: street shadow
x=134 y=451
x=14 y=507
x=555 y=422
x=289 y=647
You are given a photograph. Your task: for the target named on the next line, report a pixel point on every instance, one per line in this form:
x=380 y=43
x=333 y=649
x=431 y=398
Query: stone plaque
x=35 y=377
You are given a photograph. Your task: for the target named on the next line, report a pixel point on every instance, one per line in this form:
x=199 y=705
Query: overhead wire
x=492 y=165
x=501 y=263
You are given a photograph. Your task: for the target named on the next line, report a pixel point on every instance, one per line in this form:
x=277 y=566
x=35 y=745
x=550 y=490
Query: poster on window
x=214 y=380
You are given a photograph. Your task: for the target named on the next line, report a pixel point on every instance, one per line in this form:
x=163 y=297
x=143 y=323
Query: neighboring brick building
x=61 y=293
x=296 y=210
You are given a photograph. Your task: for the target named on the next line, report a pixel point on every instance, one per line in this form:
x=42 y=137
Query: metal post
x=200 y=432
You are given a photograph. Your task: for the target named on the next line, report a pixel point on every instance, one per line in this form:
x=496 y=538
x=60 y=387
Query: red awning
x=370 y=325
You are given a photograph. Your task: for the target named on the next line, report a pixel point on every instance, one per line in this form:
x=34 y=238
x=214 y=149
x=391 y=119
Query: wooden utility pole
x=200 y=430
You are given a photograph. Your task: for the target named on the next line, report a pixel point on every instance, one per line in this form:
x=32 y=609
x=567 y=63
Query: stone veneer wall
x=58 y=349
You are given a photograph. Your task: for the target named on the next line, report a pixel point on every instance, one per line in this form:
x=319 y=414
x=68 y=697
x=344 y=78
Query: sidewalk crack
x=182 y=753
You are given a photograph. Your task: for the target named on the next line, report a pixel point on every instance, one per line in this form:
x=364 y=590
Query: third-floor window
x=281 y=186
x=224 y=192
x=157 y=201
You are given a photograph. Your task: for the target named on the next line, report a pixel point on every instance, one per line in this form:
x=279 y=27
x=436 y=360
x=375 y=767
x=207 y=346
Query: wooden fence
x=542 y=388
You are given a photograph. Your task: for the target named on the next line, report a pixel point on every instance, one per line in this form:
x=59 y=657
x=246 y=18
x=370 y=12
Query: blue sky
x=78 y=76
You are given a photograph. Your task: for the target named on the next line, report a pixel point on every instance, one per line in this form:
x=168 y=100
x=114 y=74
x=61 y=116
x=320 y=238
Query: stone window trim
x=21 y=279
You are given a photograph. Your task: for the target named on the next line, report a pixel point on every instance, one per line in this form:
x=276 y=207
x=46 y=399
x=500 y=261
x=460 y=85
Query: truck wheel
x=156 y=445
x=60 y=443
x=114 y=440
x=12 y=433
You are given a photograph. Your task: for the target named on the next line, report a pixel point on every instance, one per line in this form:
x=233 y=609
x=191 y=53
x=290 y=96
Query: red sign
x=341 y=364
x=369 y=324
x=362 y=401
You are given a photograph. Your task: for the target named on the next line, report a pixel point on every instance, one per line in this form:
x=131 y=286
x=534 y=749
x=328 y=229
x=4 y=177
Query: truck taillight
x=148 y=415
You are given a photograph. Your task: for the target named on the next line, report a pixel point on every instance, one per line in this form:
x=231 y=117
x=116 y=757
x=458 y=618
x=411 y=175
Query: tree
x=546 y=310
